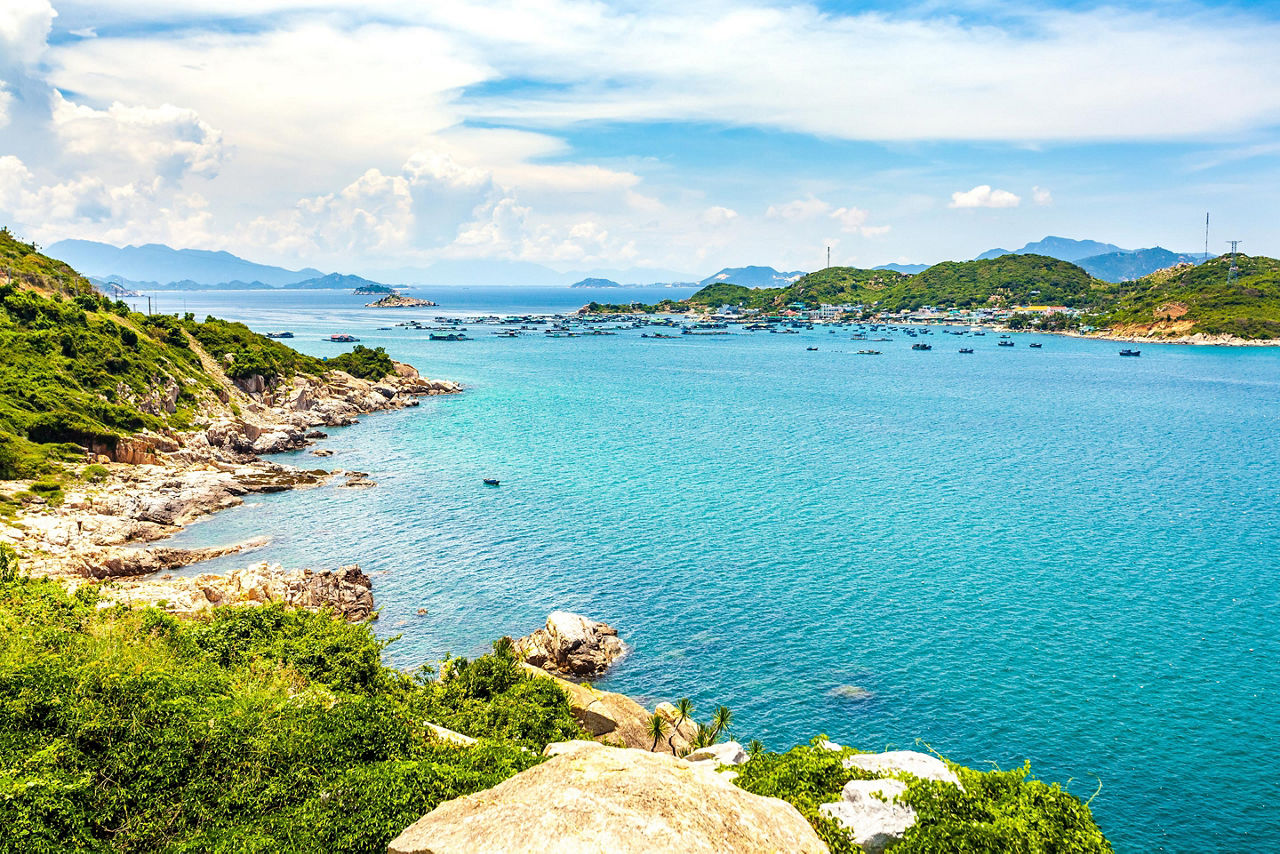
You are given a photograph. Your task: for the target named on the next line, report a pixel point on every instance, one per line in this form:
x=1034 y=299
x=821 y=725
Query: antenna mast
x=1206 y=235
x=1234 y=272
x=828 y=256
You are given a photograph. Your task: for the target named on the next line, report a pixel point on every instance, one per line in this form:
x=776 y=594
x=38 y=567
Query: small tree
x=657 y=727
x=684 y=711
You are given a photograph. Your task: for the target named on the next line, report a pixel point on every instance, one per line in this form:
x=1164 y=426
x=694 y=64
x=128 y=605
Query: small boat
x=1130 y=352
x=448 y=336
x=343 y=338
x=966 y=349
x=1005 y=343
x=921 y=346
x=868 y=352
x=491 y=481
x=811 y=349
x=1035 y=346
x=279 y=334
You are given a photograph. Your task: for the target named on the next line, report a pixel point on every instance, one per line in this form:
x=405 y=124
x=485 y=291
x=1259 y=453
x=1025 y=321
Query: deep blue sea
x=1050 y=555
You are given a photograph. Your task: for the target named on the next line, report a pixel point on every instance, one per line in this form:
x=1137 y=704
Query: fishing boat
x=868 y=352
x=1005 y=343
x=1035 y=346
x=1130 y=352
x=966 y=349
x=279 y=334
x=811 y=349
x=921 y=346
x=343 y=338
x=491 y=481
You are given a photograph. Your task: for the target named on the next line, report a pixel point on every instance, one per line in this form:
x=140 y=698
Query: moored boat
x=1130 y=352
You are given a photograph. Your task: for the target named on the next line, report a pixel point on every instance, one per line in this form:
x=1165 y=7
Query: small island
x=373 y=290
x=398 y=300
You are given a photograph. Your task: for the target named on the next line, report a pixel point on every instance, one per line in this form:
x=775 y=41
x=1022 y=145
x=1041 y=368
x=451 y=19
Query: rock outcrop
x=571 y=645
x=868 y=808
x=618 y=720
x=346 y=590
x=597 y=799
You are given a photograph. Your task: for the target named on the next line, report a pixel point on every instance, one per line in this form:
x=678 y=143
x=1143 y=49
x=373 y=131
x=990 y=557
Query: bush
x=996 y=811
x=95 y=473
x=259 y=729
x=363 y=363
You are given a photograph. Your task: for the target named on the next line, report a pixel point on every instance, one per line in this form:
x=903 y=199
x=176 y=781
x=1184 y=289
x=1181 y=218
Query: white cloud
x=717 y=215
x=799 y=210
x=850 y=219
x=1041 y=196
x=982 y=196
x=165 y=140
x=24 y=27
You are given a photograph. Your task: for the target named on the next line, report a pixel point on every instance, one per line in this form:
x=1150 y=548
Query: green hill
x=1189 y=299
x=1007 y=280
x=78 y=370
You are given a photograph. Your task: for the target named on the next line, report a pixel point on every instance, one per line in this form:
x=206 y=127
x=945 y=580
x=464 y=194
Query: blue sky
x=382 y=136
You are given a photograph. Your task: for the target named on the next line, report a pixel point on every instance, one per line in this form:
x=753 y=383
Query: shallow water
x=1053 y=555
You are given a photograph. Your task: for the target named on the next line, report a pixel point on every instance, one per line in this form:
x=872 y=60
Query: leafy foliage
x=250 y=352
x=363 y=363
x=261 y=729
x=996 y=811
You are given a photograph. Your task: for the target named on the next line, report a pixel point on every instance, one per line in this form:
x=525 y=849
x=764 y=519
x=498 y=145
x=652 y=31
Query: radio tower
x=1206 y=235
x=828 y=256
x=1233 y=272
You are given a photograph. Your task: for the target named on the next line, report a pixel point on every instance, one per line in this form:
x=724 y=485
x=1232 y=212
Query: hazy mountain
x=1062 y=248
x=752 y=277
x=155 y=262
x=909 y=269
x=334 y=281
x=1127 y=266
x=994 y=253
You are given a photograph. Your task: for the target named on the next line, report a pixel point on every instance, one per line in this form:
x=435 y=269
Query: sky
x=650 y=138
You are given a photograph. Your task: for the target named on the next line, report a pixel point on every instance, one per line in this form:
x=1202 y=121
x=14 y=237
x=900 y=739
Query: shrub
x=363 y=363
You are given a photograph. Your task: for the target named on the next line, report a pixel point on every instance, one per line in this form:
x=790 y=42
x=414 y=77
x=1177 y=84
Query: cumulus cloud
x=718 y=215
x=983 y=196
x=1041 y=196
x=799 y=210
x=165 y=141
x=24 y=28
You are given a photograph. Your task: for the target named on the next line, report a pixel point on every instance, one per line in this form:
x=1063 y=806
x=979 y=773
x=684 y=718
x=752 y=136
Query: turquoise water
x=1053 y=555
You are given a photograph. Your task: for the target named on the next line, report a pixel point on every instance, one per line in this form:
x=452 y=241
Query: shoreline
x=110 y=532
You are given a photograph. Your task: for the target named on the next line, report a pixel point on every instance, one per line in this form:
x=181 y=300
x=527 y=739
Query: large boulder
x=572 y=645
x=867 y=809
x=597 y=799
x=617 y=719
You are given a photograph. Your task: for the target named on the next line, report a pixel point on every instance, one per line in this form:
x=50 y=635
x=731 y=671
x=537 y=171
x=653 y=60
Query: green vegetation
x=363 y=363
x=997 y=811
x=78 y=370
x=260 y=729
x=666 y=306
x=1248 y=308
x=998 y=282
x=250 y=352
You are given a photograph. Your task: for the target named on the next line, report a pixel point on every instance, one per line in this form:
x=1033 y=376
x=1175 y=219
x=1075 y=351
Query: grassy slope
x=1008 y=280
x=1250 y=308
x=77 y=368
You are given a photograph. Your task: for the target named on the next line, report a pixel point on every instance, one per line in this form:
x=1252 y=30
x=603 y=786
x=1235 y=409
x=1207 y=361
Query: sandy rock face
x=572 y=645
x=601 y=799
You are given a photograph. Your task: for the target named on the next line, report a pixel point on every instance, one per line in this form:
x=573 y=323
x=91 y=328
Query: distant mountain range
x=155 y=262
x=909 y=269
x=1105 y=261
x=752 y=277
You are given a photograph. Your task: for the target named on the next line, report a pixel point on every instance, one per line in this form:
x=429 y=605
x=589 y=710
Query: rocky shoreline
x=153 y=484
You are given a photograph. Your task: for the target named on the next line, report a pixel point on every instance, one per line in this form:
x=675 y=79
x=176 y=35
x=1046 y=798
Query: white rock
x=920 y=765
x=560 y=748
x=450 y=736
x=728 y=753
x=867 y=810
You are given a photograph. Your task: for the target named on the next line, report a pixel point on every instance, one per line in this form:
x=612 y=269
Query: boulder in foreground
x=596 y=798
